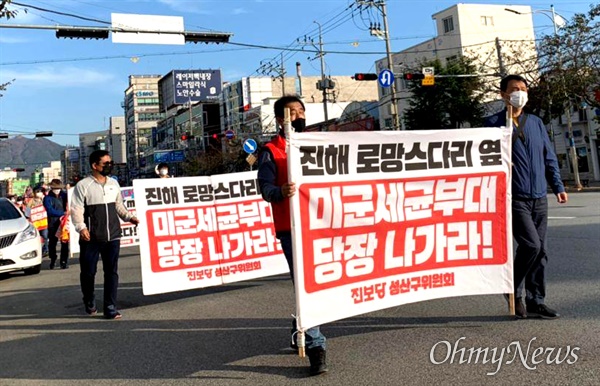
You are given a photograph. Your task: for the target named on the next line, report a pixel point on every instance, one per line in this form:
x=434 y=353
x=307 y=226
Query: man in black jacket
x=96 y=207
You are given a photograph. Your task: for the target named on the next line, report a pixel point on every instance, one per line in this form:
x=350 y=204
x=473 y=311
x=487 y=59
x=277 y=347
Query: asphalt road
x=238 y=334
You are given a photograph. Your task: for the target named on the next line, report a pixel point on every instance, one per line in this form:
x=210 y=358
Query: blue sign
x=229 y=134
x=386 y=78
x=250 y=146
x=195 y=85
x=169 y=156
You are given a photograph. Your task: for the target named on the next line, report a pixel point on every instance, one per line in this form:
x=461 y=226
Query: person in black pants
x=534 y=167
x=55 y=203
x=96 y=207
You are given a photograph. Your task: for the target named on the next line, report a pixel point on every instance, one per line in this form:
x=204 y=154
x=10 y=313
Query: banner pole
x=287 y=129
x=509 y=124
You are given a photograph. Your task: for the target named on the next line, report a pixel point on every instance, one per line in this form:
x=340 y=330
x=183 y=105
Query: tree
x=6 y=13
x=570 y=65
x=451 y=103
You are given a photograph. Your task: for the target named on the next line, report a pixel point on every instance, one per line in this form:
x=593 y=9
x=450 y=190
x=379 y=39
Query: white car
x=20 y=244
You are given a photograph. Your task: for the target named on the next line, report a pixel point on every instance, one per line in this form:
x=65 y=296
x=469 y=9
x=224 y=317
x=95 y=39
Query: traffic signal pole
x=388 y=50
x=380 y=5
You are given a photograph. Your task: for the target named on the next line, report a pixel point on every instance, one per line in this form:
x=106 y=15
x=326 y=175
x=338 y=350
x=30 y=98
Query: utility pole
x=282 y=72
x=380 y=5
x=323 y=84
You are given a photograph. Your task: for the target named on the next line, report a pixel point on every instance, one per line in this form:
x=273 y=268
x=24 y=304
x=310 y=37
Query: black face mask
x=299 y=125
x=106 y=170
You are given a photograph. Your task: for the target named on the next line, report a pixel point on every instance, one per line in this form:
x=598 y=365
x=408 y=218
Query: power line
x=61 y=13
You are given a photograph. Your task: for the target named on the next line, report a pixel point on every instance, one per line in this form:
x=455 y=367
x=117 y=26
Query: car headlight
x=29 y=233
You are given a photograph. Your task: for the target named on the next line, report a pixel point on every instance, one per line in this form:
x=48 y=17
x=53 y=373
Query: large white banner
x=389 y=218
x=129 y=236
x=204 y=231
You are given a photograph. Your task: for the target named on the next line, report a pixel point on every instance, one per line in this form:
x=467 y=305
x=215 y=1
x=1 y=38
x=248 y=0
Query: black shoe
x=64 y=266
x=114 y=315
x=541 y=311
x=318 y=360
x=520 y=310
x=90 y=308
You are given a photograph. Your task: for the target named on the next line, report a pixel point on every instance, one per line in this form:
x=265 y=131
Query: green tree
x=453 y=101
x=570 y=65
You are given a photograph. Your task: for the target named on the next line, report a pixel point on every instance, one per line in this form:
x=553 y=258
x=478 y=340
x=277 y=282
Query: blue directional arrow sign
x=386 y=78
x=250 y=146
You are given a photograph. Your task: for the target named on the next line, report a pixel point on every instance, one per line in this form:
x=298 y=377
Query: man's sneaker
x=115 y=315
x=318 y=360
x=541 y=311
x=90 y=308
x=520 y=311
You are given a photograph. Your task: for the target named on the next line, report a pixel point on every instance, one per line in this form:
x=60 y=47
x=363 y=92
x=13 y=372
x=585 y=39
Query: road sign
x=386 y=78
x=229 y=134
x=429 y=80
x=250 y=146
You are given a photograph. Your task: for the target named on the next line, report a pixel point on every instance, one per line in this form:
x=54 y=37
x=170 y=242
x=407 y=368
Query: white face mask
x=163 y=172
x=518 y=99
x=39 y=195
x=56 y=191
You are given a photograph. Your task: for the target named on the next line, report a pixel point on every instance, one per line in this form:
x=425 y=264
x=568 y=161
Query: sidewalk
x=593 y=186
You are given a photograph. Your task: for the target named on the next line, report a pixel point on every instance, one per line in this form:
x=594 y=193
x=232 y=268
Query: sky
x=73 y=86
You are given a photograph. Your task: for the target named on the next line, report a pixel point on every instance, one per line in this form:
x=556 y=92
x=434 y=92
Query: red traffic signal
x=18 y=170
x=186 y=136
x=365 y=76
x=414 y=76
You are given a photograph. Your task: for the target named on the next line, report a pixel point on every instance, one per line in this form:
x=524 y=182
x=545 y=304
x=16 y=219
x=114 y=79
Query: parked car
x=20 y=244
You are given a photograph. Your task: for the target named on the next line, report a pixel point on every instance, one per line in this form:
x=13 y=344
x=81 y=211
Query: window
x=582 y=115
x=448 y=24
x=487 y=20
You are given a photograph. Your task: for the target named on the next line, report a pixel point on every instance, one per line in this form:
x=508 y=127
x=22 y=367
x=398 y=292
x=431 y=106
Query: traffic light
x=365 y=76
x=413 y=76
x=186 y=136
x=18 y=170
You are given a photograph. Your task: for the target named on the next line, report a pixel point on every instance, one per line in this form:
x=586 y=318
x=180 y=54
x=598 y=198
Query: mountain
x=21 y=152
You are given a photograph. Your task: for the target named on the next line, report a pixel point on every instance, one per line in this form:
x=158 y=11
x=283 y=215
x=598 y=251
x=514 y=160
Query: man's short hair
x=97 y=155
x=504 y=82
x=162 y=165
x=283 y=101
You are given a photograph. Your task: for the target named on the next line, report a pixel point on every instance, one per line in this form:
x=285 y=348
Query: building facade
x=88 y=142
x=489 y=34
x=142 y=112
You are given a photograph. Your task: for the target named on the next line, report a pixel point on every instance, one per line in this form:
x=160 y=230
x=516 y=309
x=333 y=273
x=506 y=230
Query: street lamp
x=557 y=22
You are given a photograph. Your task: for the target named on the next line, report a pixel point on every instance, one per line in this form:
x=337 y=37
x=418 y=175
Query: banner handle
x=300 y=341
x=509 y=124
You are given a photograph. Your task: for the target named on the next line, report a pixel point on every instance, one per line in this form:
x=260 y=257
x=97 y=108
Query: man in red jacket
x=276 y=189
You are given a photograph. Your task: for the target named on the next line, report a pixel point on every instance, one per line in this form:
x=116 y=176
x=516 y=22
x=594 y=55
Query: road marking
x=560 y=218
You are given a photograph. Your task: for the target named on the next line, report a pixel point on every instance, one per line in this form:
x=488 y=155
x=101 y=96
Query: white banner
x=388 y=218
x=129 y=236
x=204 y=231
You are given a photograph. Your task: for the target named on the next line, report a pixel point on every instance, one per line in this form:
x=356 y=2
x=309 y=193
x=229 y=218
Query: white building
x=88 y=142
x=483 y=32
x=142 y=112
x=54 y=171
x=117 y=140
x=247 y=105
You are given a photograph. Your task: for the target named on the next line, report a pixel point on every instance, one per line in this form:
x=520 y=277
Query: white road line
x=560 y=218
